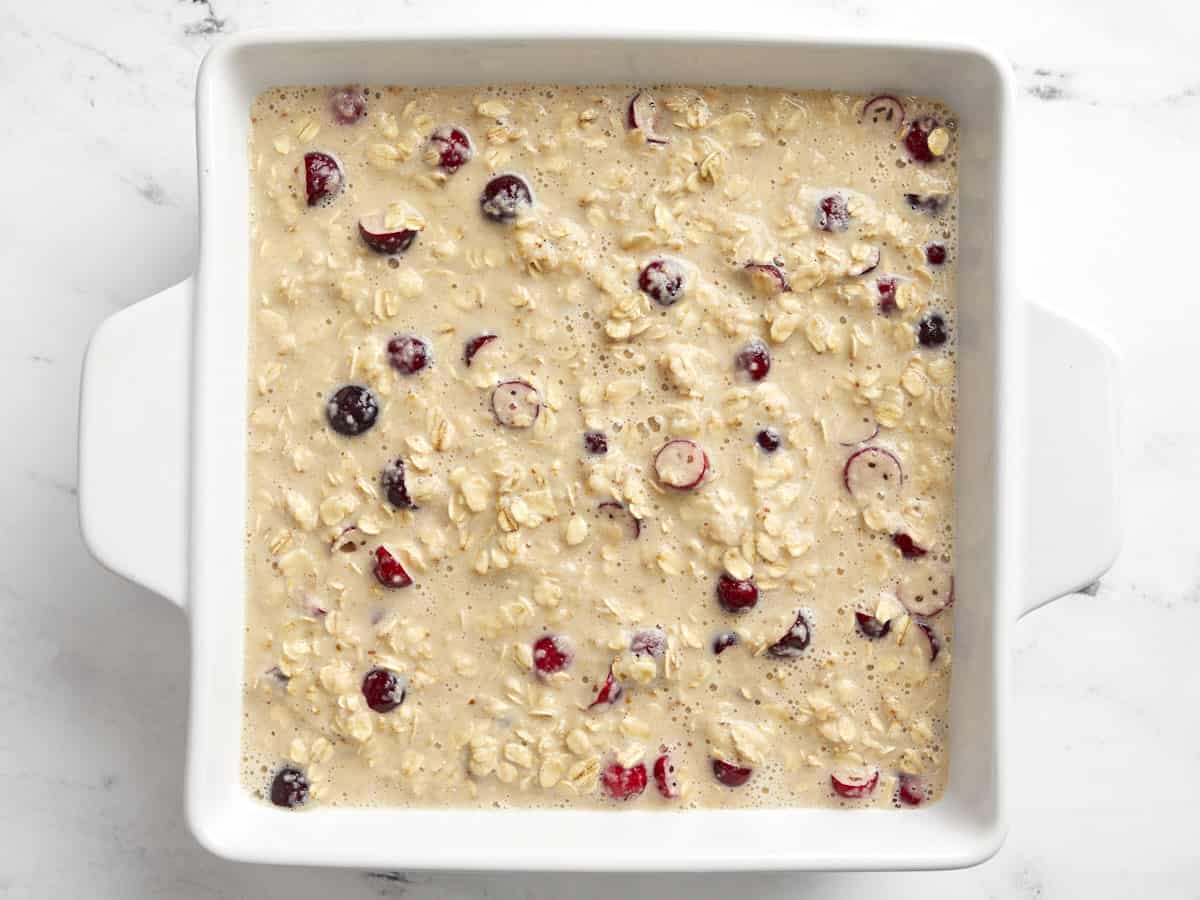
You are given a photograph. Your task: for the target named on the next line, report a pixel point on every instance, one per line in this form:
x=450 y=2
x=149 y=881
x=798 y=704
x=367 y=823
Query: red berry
x=871 y=627
x=916 y=141
x=912 y=790
x=735 y=594
x=388 y=570
x=395 y=487
x=504 y=197
x=650 y=641
x=887 y=295
x=909 y=548
x=609 y=692
x=474 y=345
x=935 y=254
x=348 y=104
x=322 y=177
x=289 y=788
x=729 y=774
x=768 y=440
x=662 y=280
x=724 y=641
x=833 y=214
x=383 y=689
x=595 y=442
x=795 y=640
x=408 y=354
x=453 y=146
x=854 y=785
x=551 y=654
x=754 y=359
x=622 y=783
x=664 y=776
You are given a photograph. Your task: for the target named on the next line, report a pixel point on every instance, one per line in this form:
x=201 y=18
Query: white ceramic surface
x=965 y=827
x=93 y=670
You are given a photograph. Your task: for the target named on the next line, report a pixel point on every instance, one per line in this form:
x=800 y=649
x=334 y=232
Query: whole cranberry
x=453 y=147
x=408 y=354
x=352 y=410
x=935 y=254
x=768 y=440
x=754 y=359
x=595 y=442
x=289 y=788
x=931 y=331
x=504 y=197
x=662 y=280
x=383 y=690
x=736 y=595
x=916 y=141
x=551 y=654
x=348 y=104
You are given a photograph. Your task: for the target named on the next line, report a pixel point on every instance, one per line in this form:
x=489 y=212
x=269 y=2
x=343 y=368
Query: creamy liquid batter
x=667 y=251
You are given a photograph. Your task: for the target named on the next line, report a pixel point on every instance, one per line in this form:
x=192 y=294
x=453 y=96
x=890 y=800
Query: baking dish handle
x=133 y=428
x=1073 y=509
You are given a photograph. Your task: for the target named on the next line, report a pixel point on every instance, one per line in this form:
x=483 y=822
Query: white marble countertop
x=100 y=211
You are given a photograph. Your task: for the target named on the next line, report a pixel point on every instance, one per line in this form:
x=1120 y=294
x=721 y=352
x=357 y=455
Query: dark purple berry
x=352 y=410
x=290 y=788
x=768 y=440
x=595 y=442
x=408 y=354
x=662 y=280
x=504 y=197
x=383 y=690
x=395 y=487
x=931 y=331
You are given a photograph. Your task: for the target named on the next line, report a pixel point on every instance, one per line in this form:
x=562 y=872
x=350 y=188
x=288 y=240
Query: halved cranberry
x=832 y=213
x=909 y=548
x=383 y=238
x=408 y=354
x=348 y=104
x=931 y=331
x=505 y=197
x=551 y=653
x=395 y=487
x=887 y=295
x=854 y=785
x=768 y=440
x=475 y=344
x=626 y=521
x=935 y=254
x=885 y=111
x=735 y=594
x=289 y=788
x=724 y=641
x=767 y=278
x=680 y=464
x=754 y=359
x=352 y=410
x=662 y=280
x=664 y=776
x=912 y=790
x=388 y=570
x=871 y=627
x=926 y=588
x=609 y=692
x=729 y=774
x=322 y=177
x=623 y=783
x=453 y=146
x=916 y=141
x=872 y=473
x=383 y=690
x=595 y=442
x=933 y=645
x=649 y=642
x=516 y=403
x=794 y=641
x=643 y=115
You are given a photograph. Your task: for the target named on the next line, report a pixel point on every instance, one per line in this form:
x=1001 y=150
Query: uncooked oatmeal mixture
x=601 y=447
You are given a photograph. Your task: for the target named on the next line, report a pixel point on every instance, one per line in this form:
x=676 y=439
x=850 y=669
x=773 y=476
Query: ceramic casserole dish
x=164 y=504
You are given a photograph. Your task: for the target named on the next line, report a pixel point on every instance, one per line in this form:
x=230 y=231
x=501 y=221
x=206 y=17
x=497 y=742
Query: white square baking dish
x=1021 y=541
